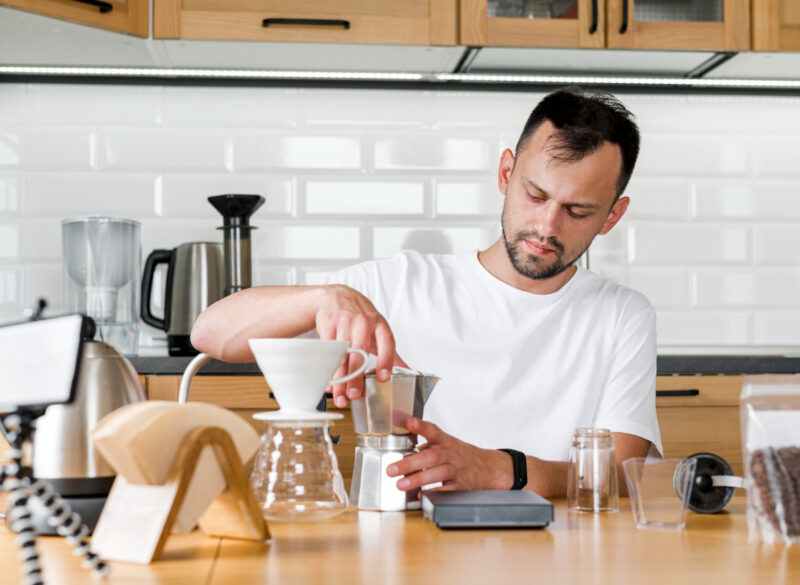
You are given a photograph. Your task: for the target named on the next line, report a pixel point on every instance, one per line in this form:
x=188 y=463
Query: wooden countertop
x=374 y=547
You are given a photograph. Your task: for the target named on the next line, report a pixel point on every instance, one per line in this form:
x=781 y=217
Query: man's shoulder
x=613 y=294
x=404 y=265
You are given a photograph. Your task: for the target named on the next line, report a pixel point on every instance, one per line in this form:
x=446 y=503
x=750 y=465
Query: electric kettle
x=195 y=279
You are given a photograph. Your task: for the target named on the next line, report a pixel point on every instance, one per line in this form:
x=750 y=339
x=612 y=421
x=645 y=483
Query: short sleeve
x=628 y=404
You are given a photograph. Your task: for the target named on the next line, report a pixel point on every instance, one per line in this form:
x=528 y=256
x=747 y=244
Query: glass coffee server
x=717 y=25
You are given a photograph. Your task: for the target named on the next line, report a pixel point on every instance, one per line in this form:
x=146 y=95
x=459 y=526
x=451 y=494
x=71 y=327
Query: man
x=528 y=346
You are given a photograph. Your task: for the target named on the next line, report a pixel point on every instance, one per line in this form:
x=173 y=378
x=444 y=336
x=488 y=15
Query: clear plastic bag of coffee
x=770 y=418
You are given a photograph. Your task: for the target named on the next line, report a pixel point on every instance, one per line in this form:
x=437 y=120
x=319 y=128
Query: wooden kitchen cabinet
x=127 y=16
x=701 y=413
x=718 y=25
x=620 y=24
x=411 y=22
x=776 y=25
x=574 y=23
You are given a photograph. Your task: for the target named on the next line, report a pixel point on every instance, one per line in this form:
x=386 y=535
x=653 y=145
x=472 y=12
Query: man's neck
x=496 y=261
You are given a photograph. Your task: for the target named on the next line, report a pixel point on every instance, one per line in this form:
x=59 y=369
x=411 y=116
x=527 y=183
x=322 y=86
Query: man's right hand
x=345 y=314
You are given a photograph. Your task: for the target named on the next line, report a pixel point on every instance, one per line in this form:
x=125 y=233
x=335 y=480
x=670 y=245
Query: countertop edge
x=668 y=365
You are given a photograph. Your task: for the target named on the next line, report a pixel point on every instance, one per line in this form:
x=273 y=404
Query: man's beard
x=528 y=264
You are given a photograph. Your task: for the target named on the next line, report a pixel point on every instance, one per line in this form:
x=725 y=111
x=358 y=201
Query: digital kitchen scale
x=487 y=509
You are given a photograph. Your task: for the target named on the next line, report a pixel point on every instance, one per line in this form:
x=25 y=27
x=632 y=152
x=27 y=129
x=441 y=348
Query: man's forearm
x=222 y=330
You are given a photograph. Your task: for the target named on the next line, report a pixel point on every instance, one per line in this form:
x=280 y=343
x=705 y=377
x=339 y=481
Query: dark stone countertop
x=675 y=365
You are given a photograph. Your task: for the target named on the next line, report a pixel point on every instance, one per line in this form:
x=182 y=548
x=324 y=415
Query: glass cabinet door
x=533 y=23
x=721 y=25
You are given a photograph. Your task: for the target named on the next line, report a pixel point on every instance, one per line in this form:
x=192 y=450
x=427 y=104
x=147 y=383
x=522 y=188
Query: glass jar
x=296 y=476
x=592 y=473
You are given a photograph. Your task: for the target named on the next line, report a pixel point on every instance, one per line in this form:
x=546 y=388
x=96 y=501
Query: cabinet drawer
x=413 y=22
x=700 y=413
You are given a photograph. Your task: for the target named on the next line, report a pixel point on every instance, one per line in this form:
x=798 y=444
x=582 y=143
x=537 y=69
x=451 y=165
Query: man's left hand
x=454 y=463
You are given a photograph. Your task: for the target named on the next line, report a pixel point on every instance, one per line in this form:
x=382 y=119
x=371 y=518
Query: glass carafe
x=296 y=476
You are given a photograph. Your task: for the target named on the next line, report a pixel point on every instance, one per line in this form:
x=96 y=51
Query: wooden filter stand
x=138 y=518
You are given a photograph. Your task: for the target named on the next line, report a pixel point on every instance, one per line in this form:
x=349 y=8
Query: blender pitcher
x=102 y=259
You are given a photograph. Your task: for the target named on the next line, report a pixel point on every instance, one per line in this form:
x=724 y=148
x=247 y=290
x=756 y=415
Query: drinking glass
x=659 y=495
x=592 y=472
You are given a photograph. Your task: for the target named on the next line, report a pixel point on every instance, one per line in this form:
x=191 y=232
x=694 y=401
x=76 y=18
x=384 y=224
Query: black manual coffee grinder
x=713 y=484
x=236 y=211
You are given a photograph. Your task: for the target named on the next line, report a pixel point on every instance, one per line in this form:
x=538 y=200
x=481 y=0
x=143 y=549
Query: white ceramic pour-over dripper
x=298 y=371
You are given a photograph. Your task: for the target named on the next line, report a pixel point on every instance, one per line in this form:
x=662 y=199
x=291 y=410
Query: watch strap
x=520 y=464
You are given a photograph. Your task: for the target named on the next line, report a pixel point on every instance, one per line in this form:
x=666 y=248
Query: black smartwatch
x=520 y=468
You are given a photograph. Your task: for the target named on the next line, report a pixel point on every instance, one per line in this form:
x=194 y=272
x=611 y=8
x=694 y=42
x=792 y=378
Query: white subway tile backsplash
x=777 y=244
x=662 y=199
x=762 y=287
x=427 y=152
x=166 y=234
x=9 y=241
x=478 y=198
x=43 y=281
x=434 y=240
x=57 y=148
x=713 y=114
x=711 y=236
x=704 y=328
x=230 y=106
x=306 y=242
x=687 y=155
x=666 y=288
x=9 y=149
x=254 y=151
x=31 y=239
x=12 y=96
x=272 y=275
x=746 y=200
x=185 y=195
x=355 y=198
x=159 y=149
x=339 y=107
x=490 y=110
x=681 y=244
x=10 y=288
x=317 y=275
x=777 y=328
x=777 y=157
x=64 y=194
x=109 y=104
x=10 y=192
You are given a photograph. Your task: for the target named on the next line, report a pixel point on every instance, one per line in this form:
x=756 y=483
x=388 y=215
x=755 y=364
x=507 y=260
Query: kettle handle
x=188 y=374
x=155 y=258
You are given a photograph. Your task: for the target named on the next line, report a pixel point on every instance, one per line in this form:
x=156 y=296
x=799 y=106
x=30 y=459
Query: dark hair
x=584 y=119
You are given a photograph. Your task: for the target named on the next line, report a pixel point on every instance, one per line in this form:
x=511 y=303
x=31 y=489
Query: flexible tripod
x=18 y=479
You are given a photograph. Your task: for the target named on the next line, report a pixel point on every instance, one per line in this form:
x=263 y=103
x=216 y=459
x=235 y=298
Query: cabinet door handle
x=688 y=392
x=345 y=24
x=624 y=28
x=103 y=6
x=593 y=28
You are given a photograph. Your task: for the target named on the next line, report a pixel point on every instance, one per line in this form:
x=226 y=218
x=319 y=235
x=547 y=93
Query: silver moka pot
x=63 y=453
x=382 y=439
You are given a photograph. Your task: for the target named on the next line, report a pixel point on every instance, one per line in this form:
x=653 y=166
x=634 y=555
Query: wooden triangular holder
x=137 y=519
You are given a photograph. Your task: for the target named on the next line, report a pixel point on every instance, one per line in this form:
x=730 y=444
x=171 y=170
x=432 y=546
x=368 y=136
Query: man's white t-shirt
x=518 y=370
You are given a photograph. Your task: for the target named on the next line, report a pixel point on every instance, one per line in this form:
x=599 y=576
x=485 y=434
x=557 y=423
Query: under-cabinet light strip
x=208 y=73
x=617 y=80
x=433 y=78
